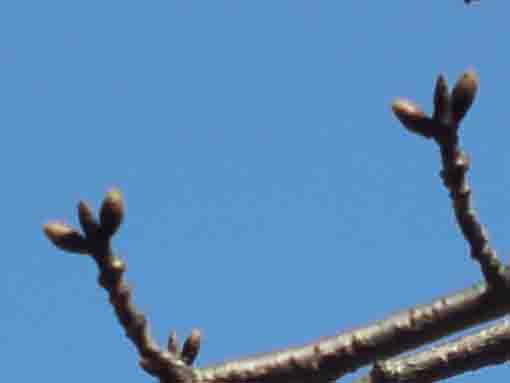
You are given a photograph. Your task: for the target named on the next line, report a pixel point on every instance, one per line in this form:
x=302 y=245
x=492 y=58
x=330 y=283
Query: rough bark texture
x=330 y=358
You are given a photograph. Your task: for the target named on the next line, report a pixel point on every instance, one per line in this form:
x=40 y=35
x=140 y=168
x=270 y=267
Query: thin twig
x=325 y=360
x=443 y=127
x=329 y=358
x=168 y=365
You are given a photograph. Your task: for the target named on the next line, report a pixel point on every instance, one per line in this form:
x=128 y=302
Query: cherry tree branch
x=443 y=128
x=332 y=357
x=325 y=360
x=171 y=365
x=488 y=347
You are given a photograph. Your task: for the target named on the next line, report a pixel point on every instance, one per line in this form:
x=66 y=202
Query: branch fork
x=329 y=358
x=170 y=365
x=443 y=128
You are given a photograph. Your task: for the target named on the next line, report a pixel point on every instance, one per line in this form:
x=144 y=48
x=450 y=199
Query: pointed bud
x=412 y=117
x=191 y=347
x=173 y=343
x=112 y=212
x=88 y=223
x=463 y=95
x=441 y=100
x=66 y=238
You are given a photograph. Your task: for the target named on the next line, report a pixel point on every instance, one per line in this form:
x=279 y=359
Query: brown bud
x=463 y=95
x=441 y=100
x=66 y=238
x=412 y=117
x=88 y=223
x=191 y=347
x=112 y=212
x=173 y=343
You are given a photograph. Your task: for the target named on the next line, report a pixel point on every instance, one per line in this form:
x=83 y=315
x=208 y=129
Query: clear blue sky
x=257 y=152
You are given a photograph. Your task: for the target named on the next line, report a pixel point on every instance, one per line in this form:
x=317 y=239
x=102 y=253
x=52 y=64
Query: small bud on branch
x=463 y=95
x=412 y=117
x=112 y=212
x=66 y=238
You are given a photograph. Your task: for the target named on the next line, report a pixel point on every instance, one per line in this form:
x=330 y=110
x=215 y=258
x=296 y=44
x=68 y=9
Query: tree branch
x=489 y=347
x=443 y=127
x=329 y=358
x=170 y=365
x=325 y=360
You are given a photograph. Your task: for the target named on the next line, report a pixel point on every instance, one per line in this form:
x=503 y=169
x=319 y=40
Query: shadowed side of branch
x=489 y=347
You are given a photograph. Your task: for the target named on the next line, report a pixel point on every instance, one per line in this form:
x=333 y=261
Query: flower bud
x=88 y=222
x=191 y=347
x=112 y=212
x=463 y=95
x=173 y=343
x=441 y=100
x=412 y=117
x=66 y=238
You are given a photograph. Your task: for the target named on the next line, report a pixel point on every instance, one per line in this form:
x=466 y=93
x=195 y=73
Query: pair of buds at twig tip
x=110 y=216
x=69 y=239
x=66 y=238
x=190 y=348
x=449 y=109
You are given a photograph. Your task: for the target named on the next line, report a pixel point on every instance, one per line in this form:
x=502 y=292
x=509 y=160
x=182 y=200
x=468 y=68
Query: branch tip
x=463 y=95
x=412 y=117
x=88 y=223
x=441 y=100
x=191 y=347
x=173 y=344
x=66 y=238
x=112 y=212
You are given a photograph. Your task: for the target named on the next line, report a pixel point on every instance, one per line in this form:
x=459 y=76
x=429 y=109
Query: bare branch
x=167 y=366
x=333 y=357
x=324 y=360
x=329 y=358
x=443 y=127
x=489 y=347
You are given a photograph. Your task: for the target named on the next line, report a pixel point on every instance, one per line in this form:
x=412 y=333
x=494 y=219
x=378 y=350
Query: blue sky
x=257 y=152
